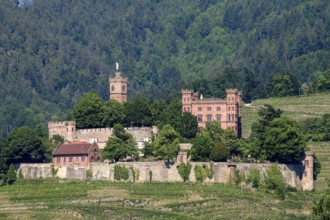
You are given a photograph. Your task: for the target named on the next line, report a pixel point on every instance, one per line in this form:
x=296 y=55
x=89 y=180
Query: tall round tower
x=118 y=87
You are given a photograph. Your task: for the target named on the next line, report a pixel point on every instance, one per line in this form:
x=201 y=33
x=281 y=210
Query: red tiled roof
x=73 y=148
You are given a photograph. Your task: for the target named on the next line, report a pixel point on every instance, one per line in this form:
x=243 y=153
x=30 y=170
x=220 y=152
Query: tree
x=184 y=170
x=138 y=112
x=284 y=85
x=166 y=144
x=219 y=152
x=88 y=112
x=120 y=145
x=114 y=113
x=11 y=174
x=188 y=126
x=202 y=147
x=321 y=207
x=215 y=131
x=25 y=145
x=156 y=109
x=284 y=141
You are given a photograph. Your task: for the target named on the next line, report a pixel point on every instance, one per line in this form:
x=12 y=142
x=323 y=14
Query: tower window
x=123 y=88
x=112 y=88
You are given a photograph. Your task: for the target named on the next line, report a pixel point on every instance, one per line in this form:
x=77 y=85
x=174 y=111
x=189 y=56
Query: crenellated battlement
x=232 y=91
x=93 y=130
x=208 y=101
x=61 y=123
x=190 y=91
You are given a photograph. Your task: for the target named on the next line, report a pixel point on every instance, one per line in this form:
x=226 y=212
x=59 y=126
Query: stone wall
x=294 y=175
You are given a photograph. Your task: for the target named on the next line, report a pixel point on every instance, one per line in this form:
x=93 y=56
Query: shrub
x=321 y=207
x=200 y=173
x=55 y=170
x=121 y=173
x=89 y=174
x=274 y=181
x=20 y=174
x=135 y=174
x=184 y=171
x=11 y=174
x=150 y=175
x=209 y=170
x=316 y=167
x=237 y=177
x=254 y=177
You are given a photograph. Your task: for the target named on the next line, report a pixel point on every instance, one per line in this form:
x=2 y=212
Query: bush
x=274 y=181
x=184 y=171
x=121 y=173
x=135 y=174
x=321 y=207
x=150 y=175
x=89 y=174
x=220 y=152
x=55 y=170
x=209 y=170
x=254 y=177
x=20 y=174
x=238 y=177
x=11 y=174
x=316 y=167
x=200 y=173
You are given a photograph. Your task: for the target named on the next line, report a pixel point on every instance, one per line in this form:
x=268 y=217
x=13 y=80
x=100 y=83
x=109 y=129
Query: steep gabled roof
x=73 y=148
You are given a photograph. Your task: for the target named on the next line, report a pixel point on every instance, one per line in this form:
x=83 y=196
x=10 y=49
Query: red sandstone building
x=118 y=87
x=76 y=153
x=227 y=112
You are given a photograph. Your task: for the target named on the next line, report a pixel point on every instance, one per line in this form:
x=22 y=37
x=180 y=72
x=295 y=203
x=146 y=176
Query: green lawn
x=54 y=199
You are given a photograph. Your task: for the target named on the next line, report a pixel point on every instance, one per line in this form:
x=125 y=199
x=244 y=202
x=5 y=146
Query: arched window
x=123 y=88
x=112 y=88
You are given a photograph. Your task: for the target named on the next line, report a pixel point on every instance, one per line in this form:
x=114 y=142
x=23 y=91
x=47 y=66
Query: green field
x=57 y=199
x=296 y=107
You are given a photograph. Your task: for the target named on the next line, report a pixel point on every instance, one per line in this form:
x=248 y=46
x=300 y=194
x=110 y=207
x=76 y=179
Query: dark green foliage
x=138 y=113
x=53 y=57
x=58 y=139
x=121 y=145
x=114 y=113
x=202 y=147
x=284 y=85
x=89 y=111
x=11 y=174
x=274 y=180
x=219 y=152
x=276 y=138
x=316 y=167
x=184 y=170
x=121 y=173
x=20 y=174
x=317 y=129
x=25 y=145
x=238 y=177
x=254 y=177
x=166 y=144
x=321 y=206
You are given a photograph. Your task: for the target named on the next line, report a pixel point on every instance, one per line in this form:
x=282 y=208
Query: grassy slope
x=146 y=201
x=298 y=108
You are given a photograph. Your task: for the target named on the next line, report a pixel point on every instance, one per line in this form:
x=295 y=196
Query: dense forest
x=54 y=51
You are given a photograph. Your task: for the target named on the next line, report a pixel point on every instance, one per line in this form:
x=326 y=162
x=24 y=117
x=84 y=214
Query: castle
x=118 y=92
x=227 y=112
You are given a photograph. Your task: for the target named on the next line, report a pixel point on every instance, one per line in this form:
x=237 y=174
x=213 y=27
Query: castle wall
x=167 y=172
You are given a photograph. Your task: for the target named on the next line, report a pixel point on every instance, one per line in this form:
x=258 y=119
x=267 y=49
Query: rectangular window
x=233 y=117
x=76 y=159
x=228 y=117
x=218 y=108
x=233 y=108
x=58 y=159
x=64 y=159
x=209 y=117
x=199 y=118
x=199 y=109
x=184 y=109
x=83 y=158
x=218 y=118
x=228 y=108
x=70 y=159
x=209 y=108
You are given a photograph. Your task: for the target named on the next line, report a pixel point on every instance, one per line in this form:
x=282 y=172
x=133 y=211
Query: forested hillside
x=54 y=51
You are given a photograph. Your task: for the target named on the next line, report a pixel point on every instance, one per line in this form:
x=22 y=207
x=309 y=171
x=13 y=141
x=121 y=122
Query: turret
x=118 y=87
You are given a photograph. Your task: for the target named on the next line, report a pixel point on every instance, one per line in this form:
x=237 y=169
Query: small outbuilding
x=76 y=153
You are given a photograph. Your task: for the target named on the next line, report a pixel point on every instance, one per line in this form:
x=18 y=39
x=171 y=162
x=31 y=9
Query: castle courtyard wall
x=167 y=172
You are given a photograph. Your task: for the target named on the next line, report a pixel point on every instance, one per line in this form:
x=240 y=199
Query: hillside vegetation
x=297 y=108
x=52 y=52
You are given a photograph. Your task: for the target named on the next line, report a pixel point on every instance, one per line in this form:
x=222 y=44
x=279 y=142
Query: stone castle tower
x=118 y=87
